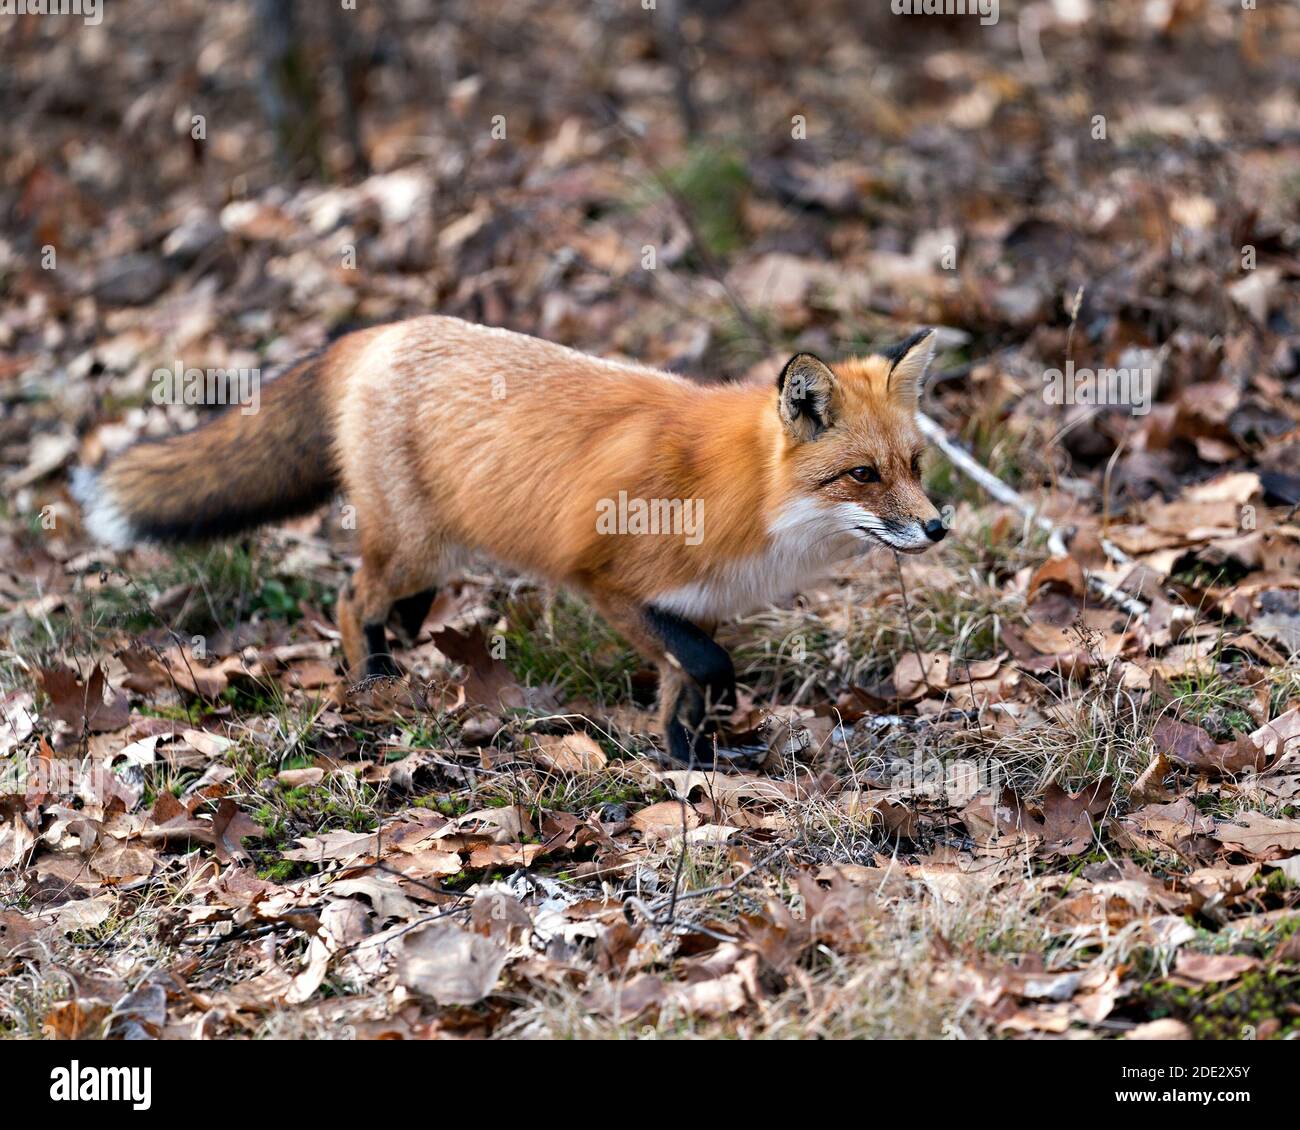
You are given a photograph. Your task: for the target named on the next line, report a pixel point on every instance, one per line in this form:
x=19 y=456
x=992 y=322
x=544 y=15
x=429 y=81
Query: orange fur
x=451 y=439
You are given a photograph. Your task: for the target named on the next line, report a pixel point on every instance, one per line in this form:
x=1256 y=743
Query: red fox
x=671 y=505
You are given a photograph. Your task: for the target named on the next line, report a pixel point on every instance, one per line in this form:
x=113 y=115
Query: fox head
x=851 y=445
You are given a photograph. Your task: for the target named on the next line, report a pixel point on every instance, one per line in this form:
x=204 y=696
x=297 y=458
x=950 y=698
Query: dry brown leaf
x=1279 y=738
x=449 y=965
x=915 y=674
x=334 y=846
x=571 y=753
x=484 y=856
x=666 y=817
x=1150 y=783
x=1063 y=573
x=91 y=705
x=488 y=681
x=229 y=826
x=1207 y=968
x=1260 y=836
x=298 y=778
x=1166 y=1028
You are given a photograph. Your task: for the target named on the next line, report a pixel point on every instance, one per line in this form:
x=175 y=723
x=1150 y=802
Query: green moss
x=1229 y=1011
x=280 y=871
x=191 y=713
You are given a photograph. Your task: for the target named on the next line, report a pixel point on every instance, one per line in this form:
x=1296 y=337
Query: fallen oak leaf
x=208 y=744
x=837 y=911
x=509 y=825
x=17 y=934
x=312 y=675
x=704 y=835
x=1231 y=759
x=334 y=847
x=1166 y=1028
x=123 y=863
x=83 y=706
x=1063 y=573
x=569 y=753
x=1062 y=826
x=1182 y=742
x=484 y=856
x=312 y=974
x=489 y=681
x=142 y=1013
x=1069 y=819
x=917 y=673
x=666 y=817
x=191 y=676
x=299 y=778
x=716 y=998
x=1217 y=886
x=1260 y=836
x=623 y=1001
x=1209 y=968
x=229 y=826
x=428 y=864
x=449 y=965
x=1193 y=748
x=1150 y=784
x=1279 y=737
x=85 y=914
x=384 y=895
x=1175 y=825
x=171 y=820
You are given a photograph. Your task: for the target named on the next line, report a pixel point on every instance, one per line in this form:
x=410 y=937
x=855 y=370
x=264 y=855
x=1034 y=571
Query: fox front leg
x=698 y=684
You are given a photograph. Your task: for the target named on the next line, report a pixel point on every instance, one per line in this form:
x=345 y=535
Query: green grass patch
x=567 y=645
x=712 y=182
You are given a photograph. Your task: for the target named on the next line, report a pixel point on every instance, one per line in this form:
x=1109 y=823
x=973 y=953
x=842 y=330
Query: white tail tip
x=101 y=516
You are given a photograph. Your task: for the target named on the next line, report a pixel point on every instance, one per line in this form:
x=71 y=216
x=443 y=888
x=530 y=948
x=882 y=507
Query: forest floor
x=996 y=803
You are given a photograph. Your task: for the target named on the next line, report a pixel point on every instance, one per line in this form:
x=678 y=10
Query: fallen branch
x=1010 y=497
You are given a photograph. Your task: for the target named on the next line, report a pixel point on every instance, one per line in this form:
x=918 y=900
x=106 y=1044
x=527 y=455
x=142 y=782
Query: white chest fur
x=804 y=541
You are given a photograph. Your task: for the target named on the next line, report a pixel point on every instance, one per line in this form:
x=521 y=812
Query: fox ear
x=807 y=397
x=910 y=359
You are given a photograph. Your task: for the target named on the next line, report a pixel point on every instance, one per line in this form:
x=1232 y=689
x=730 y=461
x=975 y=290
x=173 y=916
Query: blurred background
x=701 y=184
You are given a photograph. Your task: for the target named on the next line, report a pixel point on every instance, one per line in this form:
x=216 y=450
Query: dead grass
x=932 y=921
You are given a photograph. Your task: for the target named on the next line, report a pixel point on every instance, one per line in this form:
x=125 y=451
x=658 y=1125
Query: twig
x=722 y=888
x=990 y=482
x=1013 y=498
x=907 y=613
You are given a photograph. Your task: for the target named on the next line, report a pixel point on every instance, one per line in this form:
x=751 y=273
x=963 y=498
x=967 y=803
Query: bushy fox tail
x=230 y=474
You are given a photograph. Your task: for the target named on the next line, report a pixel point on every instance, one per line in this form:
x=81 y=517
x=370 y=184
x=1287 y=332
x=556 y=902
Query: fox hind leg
x=410 y=612
x=362 y=611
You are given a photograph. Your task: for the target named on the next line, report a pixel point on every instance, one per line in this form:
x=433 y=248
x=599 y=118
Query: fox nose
x=935 y=530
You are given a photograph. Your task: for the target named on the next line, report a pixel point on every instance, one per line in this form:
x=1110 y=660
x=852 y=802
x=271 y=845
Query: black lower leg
x=710 y=687
x=689 y=730
x=410 y=612
x=379 y=660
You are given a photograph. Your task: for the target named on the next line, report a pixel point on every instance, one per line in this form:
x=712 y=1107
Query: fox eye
x=916 y=465
x=864 y=475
